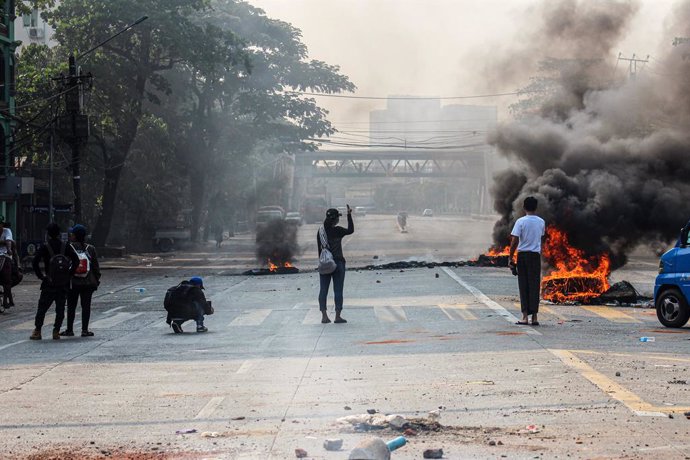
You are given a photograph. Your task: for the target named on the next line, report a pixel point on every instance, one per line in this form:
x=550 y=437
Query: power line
x=409 y=98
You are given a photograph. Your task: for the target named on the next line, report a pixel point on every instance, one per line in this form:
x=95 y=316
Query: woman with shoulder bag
x=85 y=281
x=329 y=238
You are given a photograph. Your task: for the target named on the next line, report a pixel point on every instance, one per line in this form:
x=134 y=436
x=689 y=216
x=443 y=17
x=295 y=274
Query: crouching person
x=185 y=302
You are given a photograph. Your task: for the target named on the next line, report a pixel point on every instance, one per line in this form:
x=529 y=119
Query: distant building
x=31 y=28
x=410 y=123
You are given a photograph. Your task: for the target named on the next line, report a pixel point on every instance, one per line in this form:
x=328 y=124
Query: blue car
x=672 y=286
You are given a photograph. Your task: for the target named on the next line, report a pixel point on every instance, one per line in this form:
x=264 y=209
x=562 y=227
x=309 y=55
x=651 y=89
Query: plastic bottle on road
x=647 y=339
x=140 y=290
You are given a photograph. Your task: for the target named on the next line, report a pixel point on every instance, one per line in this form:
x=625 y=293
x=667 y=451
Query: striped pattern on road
x=390 y=314
x=458 y=311
x=611 y=314
x=251 y=317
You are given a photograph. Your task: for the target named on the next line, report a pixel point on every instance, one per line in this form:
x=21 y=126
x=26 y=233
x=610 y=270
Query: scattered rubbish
x=375 y=257
x=396 y=443
x=621 y=292
x=397 y=421
x=347 y=408
x=670 y=415
x=140 y=290
x=492 y=443
x=434 y=415
x=241 y=417
x=300 y=453
x=647 y=339
x=678 y=382
x=410 y=432
x=433 y=453
x=186 y=431
x=371 y=449
x=371 y=411
x=561 y=322
x=378 y=281
x=687 y=415
x=210 y=434
x=333 y=444
x=618 y=374
x=437 y=275
x=480 y=382
x=532 y=429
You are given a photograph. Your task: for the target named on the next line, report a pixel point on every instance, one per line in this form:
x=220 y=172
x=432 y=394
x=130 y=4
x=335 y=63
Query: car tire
x=672 y=308
x=165 y=245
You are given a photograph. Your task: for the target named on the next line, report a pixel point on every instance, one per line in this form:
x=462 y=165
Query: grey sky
x=428 y=47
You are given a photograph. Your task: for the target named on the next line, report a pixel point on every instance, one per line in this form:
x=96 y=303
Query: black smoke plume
x=277 y=241
x=607 y=155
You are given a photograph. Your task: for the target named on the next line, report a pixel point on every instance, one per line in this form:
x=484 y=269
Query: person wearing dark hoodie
x=60 y=261
x=334 y=236
x=85 y=281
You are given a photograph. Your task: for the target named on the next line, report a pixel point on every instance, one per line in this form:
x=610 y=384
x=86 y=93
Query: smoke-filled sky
x=434 y=47
x=607 y=156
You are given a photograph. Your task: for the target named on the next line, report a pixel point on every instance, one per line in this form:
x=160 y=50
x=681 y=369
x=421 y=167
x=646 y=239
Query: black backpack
x=178 y=298
x=59 y=266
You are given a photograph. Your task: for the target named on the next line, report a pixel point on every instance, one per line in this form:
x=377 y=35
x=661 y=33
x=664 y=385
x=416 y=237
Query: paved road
x=416 y=340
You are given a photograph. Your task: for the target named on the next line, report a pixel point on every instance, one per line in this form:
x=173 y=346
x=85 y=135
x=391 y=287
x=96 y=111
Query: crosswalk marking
x=457 y=311
x=210 y=407
x=114 y=320
x=29 y=325
x=312 y=317
x=251 y=317
x=611 y=314
x=390 y=314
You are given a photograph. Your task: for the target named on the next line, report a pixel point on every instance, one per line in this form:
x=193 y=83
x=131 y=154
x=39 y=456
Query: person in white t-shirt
x=5 y=239
x=527 y=237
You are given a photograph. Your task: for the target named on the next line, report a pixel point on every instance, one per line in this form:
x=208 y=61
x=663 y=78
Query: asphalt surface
x=269 y=378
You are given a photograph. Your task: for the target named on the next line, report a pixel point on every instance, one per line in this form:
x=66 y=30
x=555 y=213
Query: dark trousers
x=196 y=313
x=48 y=296
x=529 y=281
x=73 y=297
x=338 y=283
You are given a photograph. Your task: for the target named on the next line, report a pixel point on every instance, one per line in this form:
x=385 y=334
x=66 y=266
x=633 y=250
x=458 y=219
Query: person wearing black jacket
x=52 y=290
x=334 y=236
x=84 y=282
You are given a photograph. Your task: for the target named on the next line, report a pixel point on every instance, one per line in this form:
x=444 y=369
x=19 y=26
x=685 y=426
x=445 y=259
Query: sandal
x=86 y=334
x=522 y=323
x=535 y=323
x=67 y=333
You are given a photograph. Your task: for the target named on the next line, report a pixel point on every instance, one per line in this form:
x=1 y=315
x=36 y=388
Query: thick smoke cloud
x=607 y=156
x=277 y=241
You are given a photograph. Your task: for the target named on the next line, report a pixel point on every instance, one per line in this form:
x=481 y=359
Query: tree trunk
x=105 y=218
x=197 y=188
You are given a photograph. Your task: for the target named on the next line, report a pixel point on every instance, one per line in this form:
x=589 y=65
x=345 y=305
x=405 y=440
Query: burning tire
x=672 y=308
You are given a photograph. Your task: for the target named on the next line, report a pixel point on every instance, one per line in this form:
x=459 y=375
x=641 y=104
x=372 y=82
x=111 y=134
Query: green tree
x=129 y=69
x=244 y=100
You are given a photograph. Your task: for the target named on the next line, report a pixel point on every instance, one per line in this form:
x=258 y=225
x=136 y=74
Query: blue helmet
x=197 y=281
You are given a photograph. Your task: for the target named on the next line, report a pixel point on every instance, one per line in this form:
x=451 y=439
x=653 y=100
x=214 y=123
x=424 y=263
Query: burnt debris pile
x=276 y=248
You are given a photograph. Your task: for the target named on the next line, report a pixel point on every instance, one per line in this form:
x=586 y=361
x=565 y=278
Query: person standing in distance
x=334 y=235
x=527 y=237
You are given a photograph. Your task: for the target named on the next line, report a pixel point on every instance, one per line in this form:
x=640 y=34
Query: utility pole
x=74 y=125
x=632 y=69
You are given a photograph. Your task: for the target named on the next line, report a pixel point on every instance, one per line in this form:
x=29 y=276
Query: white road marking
x=390 y=314
x=12 y=344
x=30 y=324
x=146 y=299
x=112 y=310
x=210 y=406
x=114 y=320
x=483 y=298
x=251 y=317
x=244 y=368
x=312 y=317
x=457 y=311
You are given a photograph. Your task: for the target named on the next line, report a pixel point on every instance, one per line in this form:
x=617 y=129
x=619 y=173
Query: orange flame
x=498 y=252
x=576 y=276
x=274 y=268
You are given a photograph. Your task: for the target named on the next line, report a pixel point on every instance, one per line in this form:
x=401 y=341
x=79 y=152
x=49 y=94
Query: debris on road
x=618 y=374
x=678 y=382
x=433 y=453
x=333 y=444
x=210 y=434
x=301 y=453
x=621 y=292
x=532 y=429
x=241 y=417
x=371 y=449
x=372 y=411
x=647 y=339
x=186 y=431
